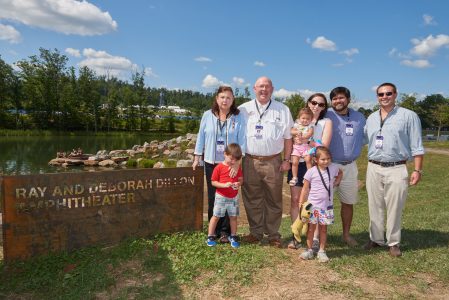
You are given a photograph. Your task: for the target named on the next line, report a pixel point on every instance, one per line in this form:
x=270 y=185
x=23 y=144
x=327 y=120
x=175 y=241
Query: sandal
x=293 y=181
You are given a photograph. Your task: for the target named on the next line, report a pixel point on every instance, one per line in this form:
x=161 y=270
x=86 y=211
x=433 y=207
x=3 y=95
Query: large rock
x=102 y=153
x=91 y=163
x=190 y=136
x=189 y=151
x=131 y=153
x=117 y=152
x=74 y=162
x=107 y=163
x=183 y=163
x=159 y=165
x=174 y=153
x=119 y=159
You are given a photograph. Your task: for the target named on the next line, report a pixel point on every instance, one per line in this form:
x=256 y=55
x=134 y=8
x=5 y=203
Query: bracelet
x=419 y=171
x=286 y=159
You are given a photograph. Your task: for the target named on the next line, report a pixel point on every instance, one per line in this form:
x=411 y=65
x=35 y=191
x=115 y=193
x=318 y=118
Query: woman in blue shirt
x=220 y=126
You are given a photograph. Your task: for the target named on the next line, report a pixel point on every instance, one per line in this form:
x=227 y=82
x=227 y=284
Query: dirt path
x=437 y=151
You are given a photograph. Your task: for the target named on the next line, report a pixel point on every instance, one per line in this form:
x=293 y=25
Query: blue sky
x=304 y=46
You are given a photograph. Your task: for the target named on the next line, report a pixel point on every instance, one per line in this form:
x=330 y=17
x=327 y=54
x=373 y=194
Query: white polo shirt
x=266 y=127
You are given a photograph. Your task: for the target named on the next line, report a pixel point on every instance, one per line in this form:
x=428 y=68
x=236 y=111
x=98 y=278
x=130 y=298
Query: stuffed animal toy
x=300 y=226
x=314 y=144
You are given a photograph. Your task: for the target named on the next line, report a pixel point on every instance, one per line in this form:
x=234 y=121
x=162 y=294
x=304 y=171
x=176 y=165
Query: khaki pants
x=262 y=196
x=387 y=190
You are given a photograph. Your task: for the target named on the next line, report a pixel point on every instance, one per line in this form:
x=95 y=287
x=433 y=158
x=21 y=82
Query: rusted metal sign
x=66 y=211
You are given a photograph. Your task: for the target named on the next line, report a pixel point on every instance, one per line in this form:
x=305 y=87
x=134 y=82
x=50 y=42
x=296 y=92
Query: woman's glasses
x=314 y=103
x=386 y=94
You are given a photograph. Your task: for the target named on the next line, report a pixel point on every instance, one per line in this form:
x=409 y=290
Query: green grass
x=439 y=145
x=162 y=266
x=168 y=261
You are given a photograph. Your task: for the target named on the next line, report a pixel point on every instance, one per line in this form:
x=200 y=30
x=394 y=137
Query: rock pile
x=179 y=150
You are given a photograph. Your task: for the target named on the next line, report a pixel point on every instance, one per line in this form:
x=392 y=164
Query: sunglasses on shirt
x=386 y=94
x=314 y=103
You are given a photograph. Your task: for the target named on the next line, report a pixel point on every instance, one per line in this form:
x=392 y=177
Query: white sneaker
x=322 y=257
x=306 y=255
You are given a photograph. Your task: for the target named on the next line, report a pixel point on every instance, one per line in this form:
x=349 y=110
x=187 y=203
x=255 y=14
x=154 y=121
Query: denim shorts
x=223 y=204
x=322 y=216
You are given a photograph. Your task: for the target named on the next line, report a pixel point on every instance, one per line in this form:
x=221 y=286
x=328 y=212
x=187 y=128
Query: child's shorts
x=301 y=150
x=223 y=204
x=322 y=216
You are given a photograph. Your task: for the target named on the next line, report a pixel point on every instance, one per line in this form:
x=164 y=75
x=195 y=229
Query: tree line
x=45 y=93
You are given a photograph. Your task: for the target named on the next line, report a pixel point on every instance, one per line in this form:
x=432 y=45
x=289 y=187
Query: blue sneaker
x=233 y=239
x=211 y=241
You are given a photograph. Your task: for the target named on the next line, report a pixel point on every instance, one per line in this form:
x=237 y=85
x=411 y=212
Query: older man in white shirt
x=267 y=138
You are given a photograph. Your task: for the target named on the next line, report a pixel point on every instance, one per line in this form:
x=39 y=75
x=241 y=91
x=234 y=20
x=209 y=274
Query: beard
x=340 y=107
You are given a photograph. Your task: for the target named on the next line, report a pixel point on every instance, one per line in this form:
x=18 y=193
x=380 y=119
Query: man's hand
x=195 y=164
x=285 y=166
x=415 y=177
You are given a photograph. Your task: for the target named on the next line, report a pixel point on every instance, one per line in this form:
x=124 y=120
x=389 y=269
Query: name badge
x=349 y=129
x=259 y=131
x=219 y=151
x=379 y=142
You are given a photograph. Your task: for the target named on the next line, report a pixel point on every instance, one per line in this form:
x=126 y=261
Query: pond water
x=21 y=155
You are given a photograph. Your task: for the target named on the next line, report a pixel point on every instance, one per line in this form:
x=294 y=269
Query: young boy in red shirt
x=226 y=195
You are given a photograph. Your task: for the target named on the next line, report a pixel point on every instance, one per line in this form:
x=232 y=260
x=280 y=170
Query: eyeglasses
x=386 y=94
x=314 y=103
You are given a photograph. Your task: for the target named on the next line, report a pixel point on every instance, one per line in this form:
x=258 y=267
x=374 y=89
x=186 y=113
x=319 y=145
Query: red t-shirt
x=221 y=174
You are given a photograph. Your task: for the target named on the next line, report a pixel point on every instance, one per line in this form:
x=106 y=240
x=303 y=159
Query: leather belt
x=388 y=164
x=260 y=157
x=343 y=162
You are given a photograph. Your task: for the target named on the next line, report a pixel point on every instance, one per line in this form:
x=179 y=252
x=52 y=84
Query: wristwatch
x=286 y=159
x=419 y=171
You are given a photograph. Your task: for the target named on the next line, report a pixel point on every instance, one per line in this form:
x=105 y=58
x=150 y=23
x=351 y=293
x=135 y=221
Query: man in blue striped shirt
x=345 y=146
x=394 y=137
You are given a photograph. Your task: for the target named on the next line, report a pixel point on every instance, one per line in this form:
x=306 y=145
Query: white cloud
x=10 y=34
x=306 y=93
x=203 y=59
x=73 y=52
x=66 y=16
x=356 y=104
x=324 y=44
x=428 y=20
x=211 y=81
x=104 y=63
x=350 y=52
x=338 y=65
x=150 y=73
x=395 y=53
x=429 y=45
x=283 y=93
x=259 y=63
x=419 y=63
x=238 y=81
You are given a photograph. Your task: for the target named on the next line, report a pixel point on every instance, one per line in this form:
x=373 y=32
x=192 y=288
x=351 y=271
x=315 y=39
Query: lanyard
x=258 y=110
x=225 y=123
x=328 y=189
x=382 y=122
